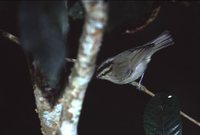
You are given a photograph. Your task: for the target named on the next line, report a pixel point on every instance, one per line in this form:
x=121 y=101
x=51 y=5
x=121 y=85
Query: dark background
x=109 y=109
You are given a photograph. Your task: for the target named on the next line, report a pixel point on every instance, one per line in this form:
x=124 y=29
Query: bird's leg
x=136 y=84
x=139 y=84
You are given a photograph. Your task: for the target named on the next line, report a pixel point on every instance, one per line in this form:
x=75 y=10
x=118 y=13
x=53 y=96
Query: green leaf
x=162 y=116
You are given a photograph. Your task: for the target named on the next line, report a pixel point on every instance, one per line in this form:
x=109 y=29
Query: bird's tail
x=162 y=41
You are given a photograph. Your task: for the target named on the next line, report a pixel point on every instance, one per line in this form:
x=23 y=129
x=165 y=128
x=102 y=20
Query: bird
x=130 y=65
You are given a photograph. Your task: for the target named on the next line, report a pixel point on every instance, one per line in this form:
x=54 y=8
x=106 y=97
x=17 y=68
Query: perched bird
x=43 y=30
x=130 y=65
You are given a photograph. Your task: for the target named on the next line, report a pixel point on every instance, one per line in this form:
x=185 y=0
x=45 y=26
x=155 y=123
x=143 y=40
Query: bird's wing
x=121 y=69
x=141 y=54
x=133 y=56
x=123 y=63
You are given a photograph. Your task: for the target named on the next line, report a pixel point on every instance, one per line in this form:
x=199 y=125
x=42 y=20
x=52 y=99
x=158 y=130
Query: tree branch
x=49 y=117
x=149 y=20
x=63 y=118
x=82 y=72
x=148 y=92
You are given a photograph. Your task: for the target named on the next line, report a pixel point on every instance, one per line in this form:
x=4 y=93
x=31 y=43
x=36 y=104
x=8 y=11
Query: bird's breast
x=137 y=72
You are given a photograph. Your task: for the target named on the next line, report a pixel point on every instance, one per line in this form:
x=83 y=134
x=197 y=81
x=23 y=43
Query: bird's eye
x=104 y=68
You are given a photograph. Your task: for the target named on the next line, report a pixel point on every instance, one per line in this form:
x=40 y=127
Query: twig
x=84 y=66
x=70 y=60
x=190 y=118
x=15 y=40
x=151 y=18
x=9 y=36
x=148 y=92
